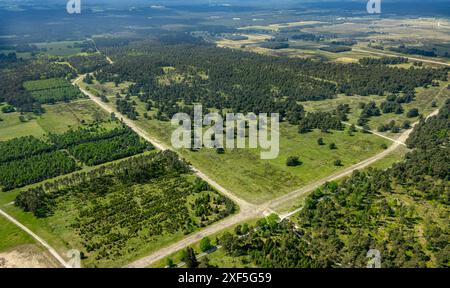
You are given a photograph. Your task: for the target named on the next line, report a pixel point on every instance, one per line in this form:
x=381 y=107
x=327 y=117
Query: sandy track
x=50 y=249
x=397 y=55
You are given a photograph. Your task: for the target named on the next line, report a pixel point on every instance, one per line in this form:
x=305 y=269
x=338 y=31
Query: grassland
x=255 y=180
x=11 y=236
x=423 y=101
x=57 y=119
x=63 y=48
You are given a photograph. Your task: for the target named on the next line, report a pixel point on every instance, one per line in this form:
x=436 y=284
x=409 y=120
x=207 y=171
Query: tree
x=413 y=113
x=406 y=125
x=293 y=161
x=205 y=244
x=320 y=141
x=332 y=146
x=190 y=258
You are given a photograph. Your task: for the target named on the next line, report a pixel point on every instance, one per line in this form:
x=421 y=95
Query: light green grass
x=58 y=118
x=257 y=181
x=59 y=48
x=244 y=173
x=423 y=100
x=11 y=236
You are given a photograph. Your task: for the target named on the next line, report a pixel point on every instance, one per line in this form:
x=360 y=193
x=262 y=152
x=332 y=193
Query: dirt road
x=244 y=205
x=396 y=55
x=50 y=249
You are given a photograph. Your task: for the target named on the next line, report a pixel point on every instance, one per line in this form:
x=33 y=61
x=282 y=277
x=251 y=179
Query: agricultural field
x=156 y=194
x=52 y=90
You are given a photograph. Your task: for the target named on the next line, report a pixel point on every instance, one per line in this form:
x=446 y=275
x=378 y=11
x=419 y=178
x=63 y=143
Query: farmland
x=155 y=194
x=52 y=90
x=57 y=119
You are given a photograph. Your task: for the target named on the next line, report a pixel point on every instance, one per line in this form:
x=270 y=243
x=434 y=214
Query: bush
x=338 y=163
x=205 y=244
x=8 y=109
x=332 y=146
x=293 y=161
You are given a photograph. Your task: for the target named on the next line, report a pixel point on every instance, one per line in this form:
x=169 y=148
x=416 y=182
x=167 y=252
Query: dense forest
x=29 y=160
x=403 y=212
x=246 y=82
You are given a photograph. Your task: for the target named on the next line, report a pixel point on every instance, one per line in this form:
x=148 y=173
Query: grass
x=59 y=48
x=423 y=100
x=11 y=236
x=57 y=119
x=217 y=258
x=257 y=181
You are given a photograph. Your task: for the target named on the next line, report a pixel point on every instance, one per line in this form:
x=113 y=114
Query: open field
x=12 y=236
x=423 y=101
x=27 y=256
x=57 y=119
x=63 y=48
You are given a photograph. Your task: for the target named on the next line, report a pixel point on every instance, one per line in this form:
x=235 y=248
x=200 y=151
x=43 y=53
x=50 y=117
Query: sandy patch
x=27 y=256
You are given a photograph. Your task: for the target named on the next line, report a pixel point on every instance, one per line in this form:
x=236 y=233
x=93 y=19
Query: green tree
x=205 y=244
x=190 y=258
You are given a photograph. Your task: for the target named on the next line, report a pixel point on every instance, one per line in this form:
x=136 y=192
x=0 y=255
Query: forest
x=374 y=209
x=246 y=82
x=29 y=160
x=16 y=74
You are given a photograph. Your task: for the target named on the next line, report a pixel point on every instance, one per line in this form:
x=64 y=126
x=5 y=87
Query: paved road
x=397 y=55
x=37 y=238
